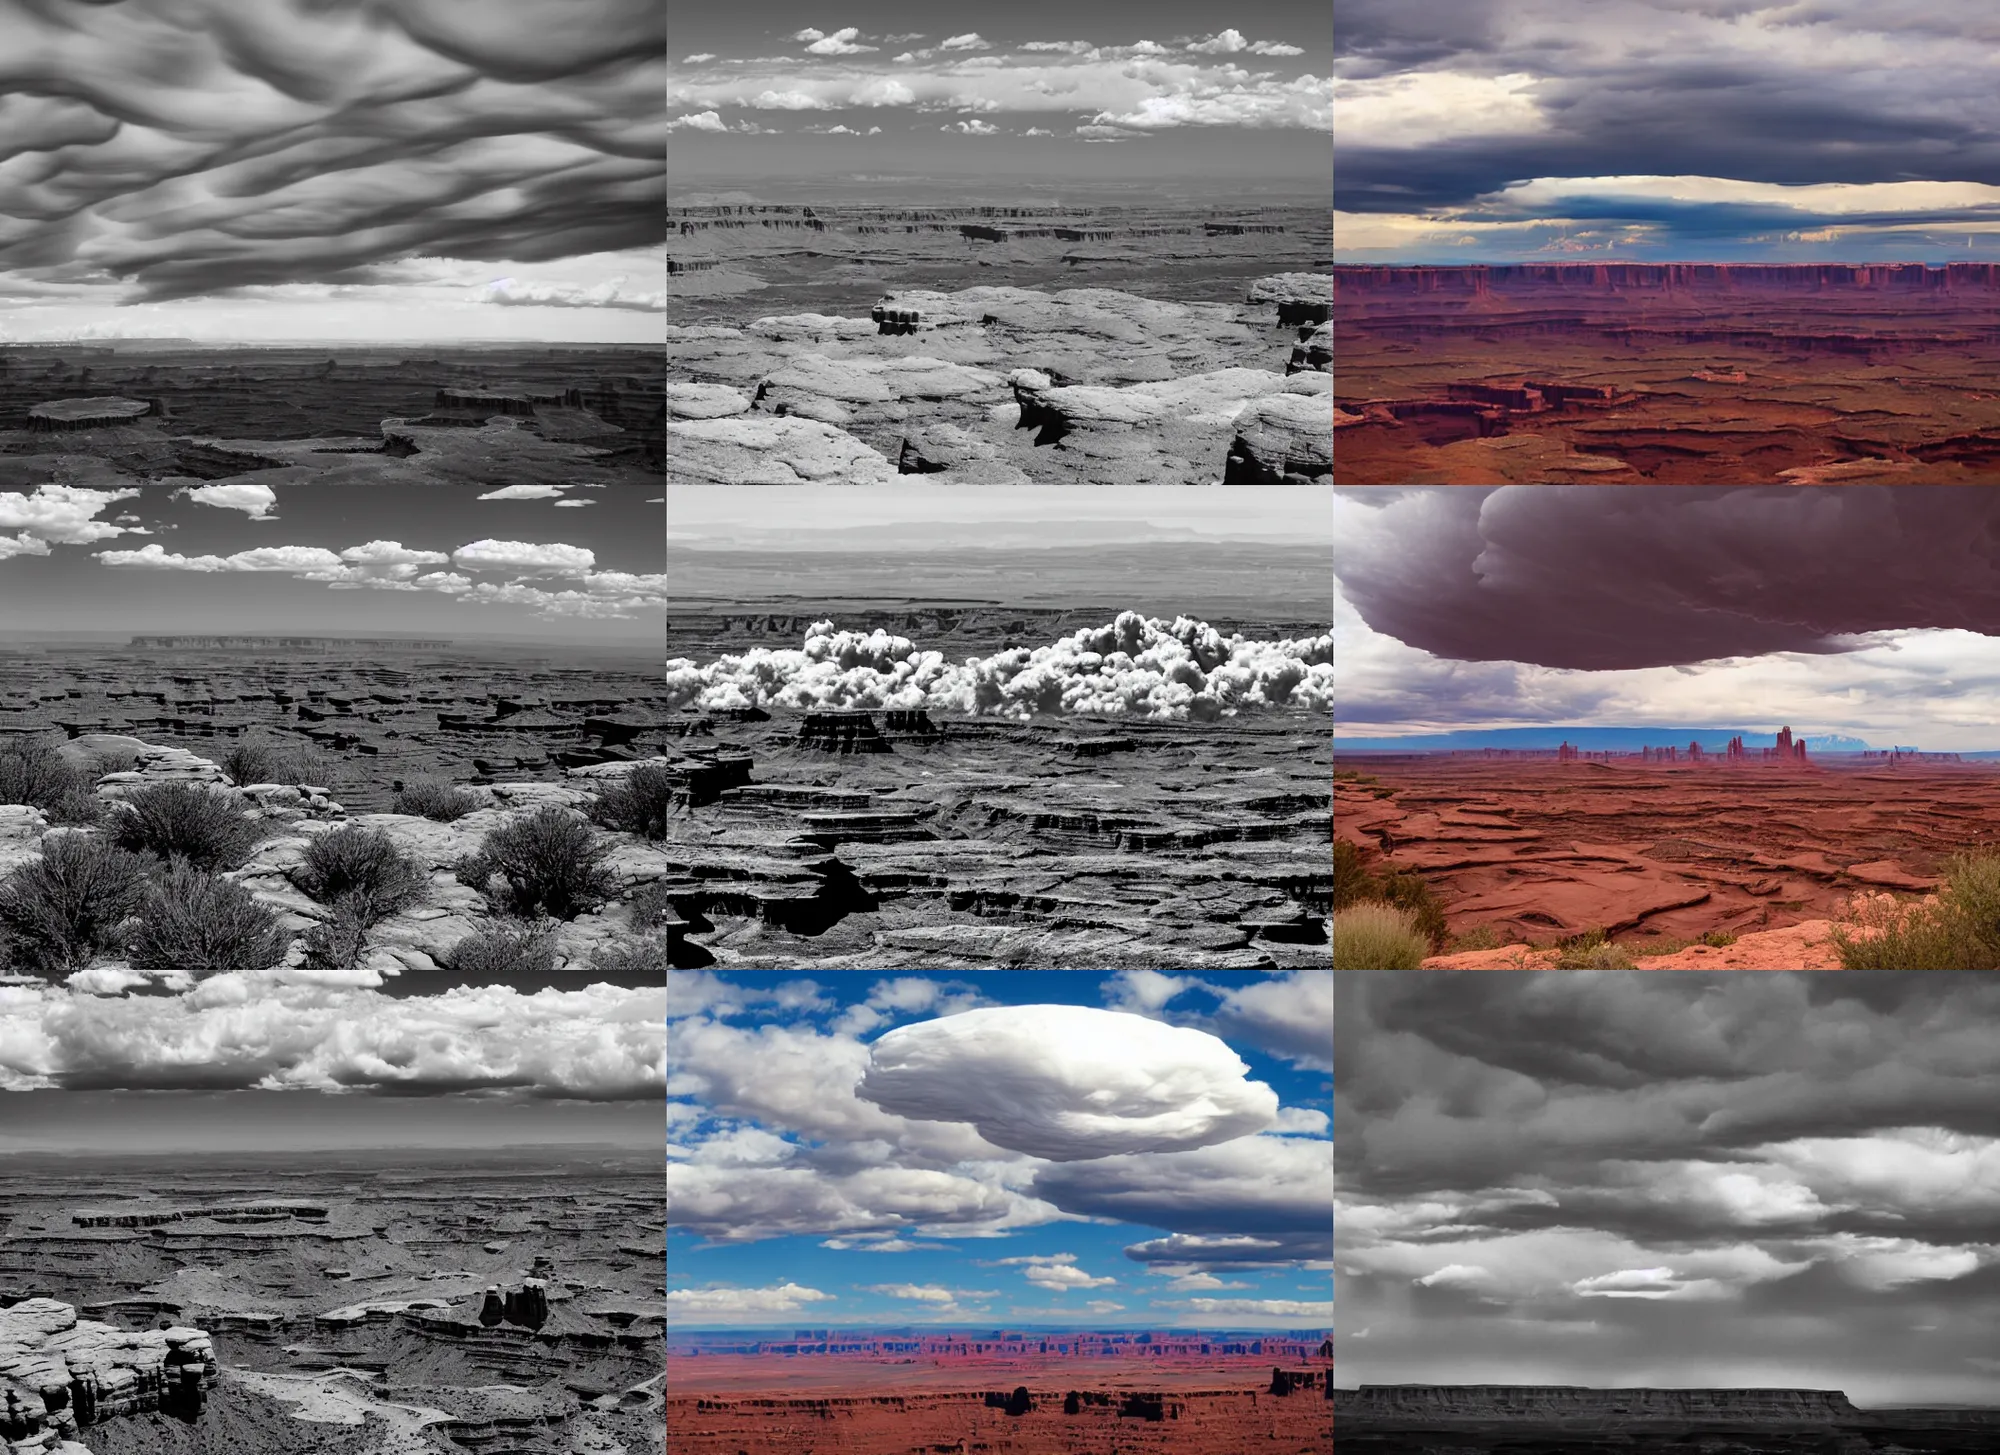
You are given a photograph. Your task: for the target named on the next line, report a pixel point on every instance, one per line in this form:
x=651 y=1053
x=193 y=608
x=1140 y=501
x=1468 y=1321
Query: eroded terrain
x=1539 y=850
x=996 y=346
x=356 y=1303
x=1667 y=374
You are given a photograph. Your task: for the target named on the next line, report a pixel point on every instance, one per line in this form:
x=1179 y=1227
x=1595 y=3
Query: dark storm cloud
x=1604 y=577
x=1571 y=1177
x=193 y=146
x=1786 y=94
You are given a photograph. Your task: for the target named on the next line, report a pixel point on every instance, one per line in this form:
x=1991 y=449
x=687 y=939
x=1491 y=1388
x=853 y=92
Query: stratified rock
x=1282 y=439
x=755 y=450
x=60 y=1374
x=811 y=328
x=705 y=401
x=958 y=455
x=1301 y=297
x=63 y=416
x=1019 y=1402
x=164 y=765
x=1558 y=1404
x=1314 y=350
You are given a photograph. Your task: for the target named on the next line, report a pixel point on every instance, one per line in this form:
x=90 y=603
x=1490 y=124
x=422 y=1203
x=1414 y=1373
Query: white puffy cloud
x=1304 y=103
x=1192 y=1282
x=1225 y=43
x=260 y=1029
x=1146 y=991
x=1069 y=47
x=970 y=41
x=776 y=1299
x=1135 y=666
x=1068 y=1082
x=698 y=121
x=525 y=558
x=254 y=500
x=877 y=1243
x=611 y=293
x=974 y=127
x=1280 y=1308
x=745 y=1204
x=793 y=100
x=841 y=43
x=1455 y=1275
x=1291 y=1015
x=60 y=515
x=525 y=492
x=1302 y=1119
x=925 y=1293
x=1062 y=1277
x=698 y=58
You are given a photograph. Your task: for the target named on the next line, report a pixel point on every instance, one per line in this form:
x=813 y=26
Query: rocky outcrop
x=65 y=416
x=60 y=1374
x=1480 y=280
x=1314 y=350
x=1301 y=298
x=1546 y=1404
x=705 y=401
x=759 y=450
x=842 y=732
x=526 y=1307
x=1282 y=439
x=1150 y=1407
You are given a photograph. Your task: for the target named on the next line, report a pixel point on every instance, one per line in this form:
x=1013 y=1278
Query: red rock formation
x=1548 y=1403
x=1479 y=280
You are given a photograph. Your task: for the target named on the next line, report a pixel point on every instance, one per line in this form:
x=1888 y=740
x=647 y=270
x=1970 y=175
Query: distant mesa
x=842 y=732
x=65 y=416
x=1481 y=280
x=284 y=644
x=1428 y=1404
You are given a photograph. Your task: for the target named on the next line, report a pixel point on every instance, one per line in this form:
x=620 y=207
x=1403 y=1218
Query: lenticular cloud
x=1067 y=1082
x=1137 y=666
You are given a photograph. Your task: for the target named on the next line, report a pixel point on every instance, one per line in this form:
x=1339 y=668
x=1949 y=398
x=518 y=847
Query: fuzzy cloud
x=840 y=43
x=508 y=293
x=1136 y=666
x=523 y=558
x=1068 y=1082
x=716 y=1299
x=698 y=121
x=60 y=515
x=254 y=500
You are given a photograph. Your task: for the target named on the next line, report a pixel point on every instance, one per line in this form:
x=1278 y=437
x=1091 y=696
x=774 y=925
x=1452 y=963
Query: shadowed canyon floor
x=1667 y=374
x=365 y=1304
x=996 y=346
x=1652 y=852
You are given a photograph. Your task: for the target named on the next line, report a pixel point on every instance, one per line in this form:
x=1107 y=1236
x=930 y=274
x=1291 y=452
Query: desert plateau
x=1058 y=1392
x=1667 y=373
x=355 y=1303
x=1082 y=345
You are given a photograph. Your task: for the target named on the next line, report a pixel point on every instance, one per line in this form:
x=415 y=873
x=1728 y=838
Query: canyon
x=1667 y=373
x=1652 y=850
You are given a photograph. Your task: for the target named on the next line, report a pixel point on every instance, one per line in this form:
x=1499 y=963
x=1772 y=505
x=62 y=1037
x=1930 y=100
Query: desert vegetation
x=432 y=799
x=637 y=803
x=196 y=921
x=548 y=864
x=1354 y=886
x=186 y=821
x=1373 y=935
x=1958 y=928
x=261 y=760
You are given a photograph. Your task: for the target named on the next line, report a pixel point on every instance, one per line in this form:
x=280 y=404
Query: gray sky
x=1688 y=1179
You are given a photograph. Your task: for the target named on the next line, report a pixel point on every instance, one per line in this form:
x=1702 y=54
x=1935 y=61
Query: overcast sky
x=1131 y=1149
x=1870 y=611
x=1055 y=92
x=341 y=169
x=1489 y=130
x=1670 y=1179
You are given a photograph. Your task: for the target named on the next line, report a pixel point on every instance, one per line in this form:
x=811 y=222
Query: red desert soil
x=719 y=1405
x=1666 y=373
x=1650 y=852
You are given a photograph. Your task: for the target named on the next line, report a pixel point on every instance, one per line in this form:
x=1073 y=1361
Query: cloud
x=1136 y=666
x=973 y=128
x=1068 y=47
x=525 y=492
x=697 y=59
x=1488 y=574
x=1227 y=42
x=310 y=145
x=1067 y=1082
x=1284 y=1308
x=794 y=100
x=1265 y=1187
x=840 y=43
x=523 y=558
x=1146 y=991
x=718 y=1299
x=508 y=293
x=60 y=515
x=925 y=1293
x=1291 y=1015
x=698 y=121
x=876 y=1243
x=970 y=41
x=256 y=1029
x=255 y=501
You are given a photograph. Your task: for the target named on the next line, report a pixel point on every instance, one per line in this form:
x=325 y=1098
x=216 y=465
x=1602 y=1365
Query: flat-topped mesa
x=284 y=644
x=1483 y=280
x=842 y=732
x=64 y=416
x=1545 y=1404
x=470 y=399
x=691 y=265
x=60 y=1374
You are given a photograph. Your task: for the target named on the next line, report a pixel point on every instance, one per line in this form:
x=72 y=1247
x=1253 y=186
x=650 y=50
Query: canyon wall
x=1545 y=1404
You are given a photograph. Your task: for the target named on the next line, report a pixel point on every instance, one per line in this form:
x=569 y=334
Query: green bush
x=1599 y=954
x=1370 y=935
x=1351 y=882
x=552 y=864
x=499 y=951
x=1958 y=928
x=197 y=921
x=63 y=910
x=34 y=773
x=362 y=871
x=636 y=803
x=186 y=821
x=1479 y=937
x=1409 y=893
x=432 y=799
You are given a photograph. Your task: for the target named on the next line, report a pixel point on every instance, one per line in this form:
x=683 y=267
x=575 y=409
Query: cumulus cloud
x=1068 y=1082
x=972 y=128
x=256 y=1029
x=718 y=1299
x=523 y=558
x=698 y=58
x=840 y=43
x=698 y=121
x=970 y=41
x=923 y=1293
x=612 y=293
x=525 y=492
x=1289 y=1308
x=313 y=144
x=1136 y=666
x=60 y=515
x=254 y=500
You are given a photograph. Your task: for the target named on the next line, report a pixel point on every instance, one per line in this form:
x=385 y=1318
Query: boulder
x=705 y=401
x=1282 y=439
x=1314 y=350
x=1301 y=298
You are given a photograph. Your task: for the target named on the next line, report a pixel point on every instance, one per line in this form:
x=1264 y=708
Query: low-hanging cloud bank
x=1613 y=577
x=1136 y=666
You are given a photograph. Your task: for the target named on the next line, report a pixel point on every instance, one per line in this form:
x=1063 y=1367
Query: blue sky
x=793 y=1202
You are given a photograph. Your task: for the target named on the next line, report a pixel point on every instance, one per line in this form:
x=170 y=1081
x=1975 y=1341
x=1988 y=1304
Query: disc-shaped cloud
x=1067 y=1082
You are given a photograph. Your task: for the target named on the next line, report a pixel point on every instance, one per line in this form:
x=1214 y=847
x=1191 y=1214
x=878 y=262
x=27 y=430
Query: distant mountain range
x=1589 y=739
